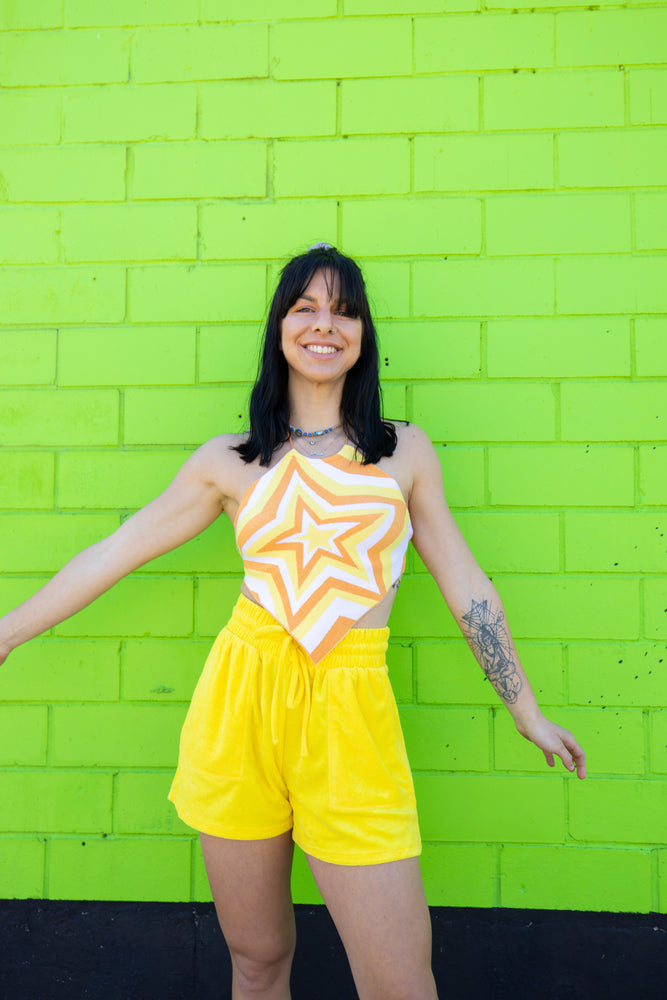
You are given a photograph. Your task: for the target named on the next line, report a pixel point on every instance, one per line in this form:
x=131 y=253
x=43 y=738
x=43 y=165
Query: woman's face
x=319 y=340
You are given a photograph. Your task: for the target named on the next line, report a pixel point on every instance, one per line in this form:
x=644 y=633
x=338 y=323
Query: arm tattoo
x=396 y=584
x=487 y=637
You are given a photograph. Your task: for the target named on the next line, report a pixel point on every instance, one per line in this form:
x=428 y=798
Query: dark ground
x=174 y=951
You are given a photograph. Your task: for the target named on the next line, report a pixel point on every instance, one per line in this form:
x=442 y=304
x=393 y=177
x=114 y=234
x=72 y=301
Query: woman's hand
x=553 y=739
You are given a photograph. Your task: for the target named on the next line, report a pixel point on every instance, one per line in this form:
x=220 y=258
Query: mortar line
x=338 y=125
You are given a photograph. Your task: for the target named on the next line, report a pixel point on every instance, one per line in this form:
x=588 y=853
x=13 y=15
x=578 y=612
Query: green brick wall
x=499 y=169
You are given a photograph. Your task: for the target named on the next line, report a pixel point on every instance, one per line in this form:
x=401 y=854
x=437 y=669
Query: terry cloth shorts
x=274 y=742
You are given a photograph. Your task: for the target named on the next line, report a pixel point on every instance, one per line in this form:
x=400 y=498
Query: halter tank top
x=322 y=542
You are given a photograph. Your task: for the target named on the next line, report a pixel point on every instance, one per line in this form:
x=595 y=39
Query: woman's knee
x=259 y=968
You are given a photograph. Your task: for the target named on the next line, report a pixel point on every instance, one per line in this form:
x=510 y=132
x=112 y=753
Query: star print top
x=322 y=541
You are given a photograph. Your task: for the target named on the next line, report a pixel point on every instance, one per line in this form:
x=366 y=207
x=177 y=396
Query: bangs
x=297 y=275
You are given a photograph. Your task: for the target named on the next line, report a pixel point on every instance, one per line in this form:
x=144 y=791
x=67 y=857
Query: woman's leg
x=250 y=882
x=381 y=915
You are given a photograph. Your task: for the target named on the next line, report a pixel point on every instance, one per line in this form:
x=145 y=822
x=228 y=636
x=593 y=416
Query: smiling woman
x=293 y=733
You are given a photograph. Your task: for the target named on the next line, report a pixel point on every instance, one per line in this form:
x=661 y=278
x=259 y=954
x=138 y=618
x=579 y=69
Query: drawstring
x=299 y=684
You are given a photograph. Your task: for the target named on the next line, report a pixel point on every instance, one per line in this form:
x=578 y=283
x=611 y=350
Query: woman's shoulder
x=410 y=438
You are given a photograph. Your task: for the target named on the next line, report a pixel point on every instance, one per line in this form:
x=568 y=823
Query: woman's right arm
x=190 y=504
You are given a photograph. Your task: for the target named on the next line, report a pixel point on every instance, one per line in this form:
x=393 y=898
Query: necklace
x=312 y=438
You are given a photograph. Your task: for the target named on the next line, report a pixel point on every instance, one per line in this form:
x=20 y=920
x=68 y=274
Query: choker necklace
x=297 y=432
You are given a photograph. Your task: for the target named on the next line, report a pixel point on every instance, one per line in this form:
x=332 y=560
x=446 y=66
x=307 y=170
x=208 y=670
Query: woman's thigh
x=250 y=882
x=382 y=916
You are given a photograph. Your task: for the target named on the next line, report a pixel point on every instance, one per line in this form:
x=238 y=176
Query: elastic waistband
x=248 y=619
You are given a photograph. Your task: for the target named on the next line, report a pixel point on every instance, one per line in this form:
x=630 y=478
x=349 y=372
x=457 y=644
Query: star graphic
x=314 y=536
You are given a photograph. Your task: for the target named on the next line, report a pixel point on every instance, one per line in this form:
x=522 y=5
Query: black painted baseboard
x=52 y=950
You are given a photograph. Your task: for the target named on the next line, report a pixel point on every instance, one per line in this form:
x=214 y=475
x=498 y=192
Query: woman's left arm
x=475 y=604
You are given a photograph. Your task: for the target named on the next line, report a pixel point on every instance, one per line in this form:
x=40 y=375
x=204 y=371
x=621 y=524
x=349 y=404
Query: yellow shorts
x=274 y=742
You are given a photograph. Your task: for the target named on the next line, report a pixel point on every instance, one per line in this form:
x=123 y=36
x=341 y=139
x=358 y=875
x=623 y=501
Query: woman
x=293 y=733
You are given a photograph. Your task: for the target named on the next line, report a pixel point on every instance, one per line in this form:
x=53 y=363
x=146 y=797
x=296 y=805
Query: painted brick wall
x=500 y=173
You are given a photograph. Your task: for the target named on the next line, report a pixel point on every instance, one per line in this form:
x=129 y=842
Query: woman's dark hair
x=361 y=406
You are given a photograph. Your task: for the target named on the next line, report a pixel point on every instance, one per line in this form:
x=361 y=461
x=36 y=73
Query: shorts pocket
x=368 y=764
x=215 y=732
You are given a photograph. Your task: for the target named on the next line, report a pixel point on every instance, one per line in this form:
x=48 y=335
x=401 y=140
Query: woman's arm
x=476 y=605
x=189 y=505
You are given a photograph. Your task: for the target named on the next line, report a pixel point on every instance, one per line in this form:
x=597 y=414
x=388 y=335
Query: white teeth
x=316 y=349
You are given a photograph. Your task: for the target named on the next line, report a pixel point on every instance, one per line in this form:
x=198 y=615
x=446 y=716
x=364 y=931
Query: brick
x=13 y=591
x=420 y=611
x=571 y=607
x=303 y=885
x=215 y=601
x=463 y=475
x=211 y=552
x=407 y=6
x=610 y=37
x=201 y=53
x=399 y=663
x=575 y=878
x=65 y=416
x=89 y=13
x=632 y=542
x=119 y=869
x=616 y=674
x=126 y=356
x=201 y=293
x=485 y=808
x=636 y=811
x=161 y=671
x=653 y=473
x=484 y=412
x=28 y=357
x=129 y=113
x=22 y=868
x=394 y=402
x=447 y=673
x=62 y=174
x=182 y=416
x=28 y=116
x=61 y=58
x=136 y=607
x=613 y=158
x=264 y=10
x=662 y=880
x=459 y=876
x=114 y=479
x=446 y=739
x=655 y=608
x=613 y=740
x=658 y=737
x=622 y=411
x=264 y=109
x=505 y=543
x=200 y=170
x=51 y=670
x=483 y=287
x=55 y=801
x=651 y=220
x=44 y=542
x=410 y=104
x=229 y=353
x=651 y=346
x=554 y=347
x=23 y=734
x=562 y=475
x=24 y=14
x=611 y=284
x=62 y=295
x=413 y=226
x=388 y=288
x=26 y=480
x=345 y=166
x=496 y=41
x=116 y=735
x=648 y=96
x=130 y=232
x=333 y=49
x=141 y=805
x=483 y=162
x=278 y=229
x=557 y=223
x=553 y=100
x=417 y=350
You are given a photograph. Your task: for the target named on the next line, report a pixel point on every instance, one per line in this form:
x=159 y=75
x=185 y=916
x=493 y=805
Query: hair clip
x=321 y=246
